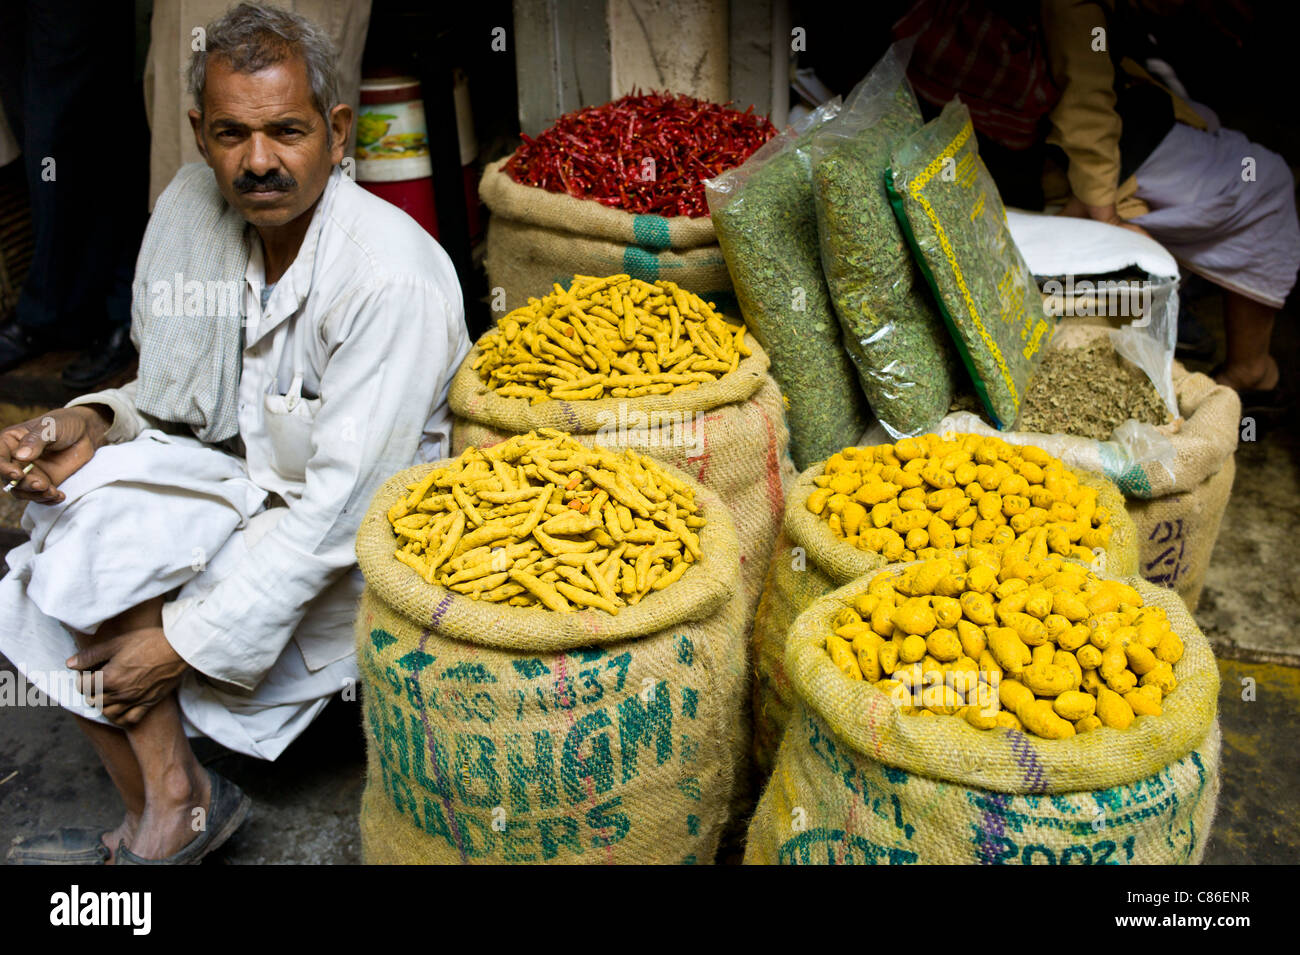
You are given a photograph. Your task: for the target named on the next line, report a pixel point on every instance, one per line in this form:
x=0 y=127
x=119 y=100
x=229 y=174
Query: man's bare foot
x=175 y=816
x=1260 y=375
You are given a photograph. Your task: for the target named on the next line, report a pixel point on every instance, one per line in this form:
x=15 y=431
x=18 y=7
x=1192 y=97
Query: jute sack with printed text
x=730 y=435
x=1178 y=520
x=809 y=561
x=499 y=734
x=857 y=781
x=536 y=238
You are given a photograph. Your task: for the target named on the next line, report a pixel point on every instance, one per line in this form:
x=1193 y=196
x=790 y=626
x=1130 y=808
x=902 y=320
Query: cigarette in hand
x=14 y=483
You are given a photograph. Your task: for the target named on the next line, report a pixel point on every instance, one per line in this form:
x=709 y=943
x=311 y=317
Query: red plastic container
x=393 y=148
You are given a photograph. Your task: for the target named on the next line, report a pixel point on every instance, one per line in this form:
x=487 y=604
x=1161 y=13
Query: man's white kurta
x=344 y=382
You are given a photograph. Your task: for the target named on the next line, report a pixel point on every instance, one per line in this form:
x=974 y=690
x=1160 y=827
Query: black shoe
x=1195 y=341
x=1269 y=404
x=107 y=357
x=19 y=344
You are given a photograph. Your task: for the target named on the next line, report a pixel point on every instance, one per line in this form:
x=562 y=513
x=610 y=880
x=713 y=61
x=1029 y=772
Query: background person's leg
x=68 y=81
x=71 y=52
x=1249 y=328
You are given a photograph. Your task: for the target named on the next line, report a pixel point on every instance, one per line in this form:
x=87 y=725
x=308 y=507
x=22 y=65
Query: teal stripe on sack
x=1130 y=478
x=651 y=232
x=1134 y=483
x=640 y=264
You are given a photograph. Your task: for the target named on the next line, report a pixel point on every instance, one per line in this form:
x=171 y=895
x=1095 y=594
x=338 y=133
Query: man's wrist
x=1105 y=213
x=99 y=419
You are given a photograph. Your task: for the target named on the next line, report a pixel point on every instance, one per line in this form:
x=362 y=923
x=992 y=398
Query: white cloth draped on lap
x=1225 y=207
x=140 y=520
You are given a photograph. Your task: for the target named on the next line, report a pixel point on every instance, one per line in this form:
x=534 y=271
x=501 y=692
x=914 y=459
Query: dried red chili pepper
x=600 y=152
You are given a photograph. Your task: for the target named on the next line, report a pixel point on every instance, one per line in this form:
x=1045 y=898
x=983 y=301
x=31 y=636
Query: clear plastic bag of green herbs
x=949 y=207
x=766 y=224
x=893 y=332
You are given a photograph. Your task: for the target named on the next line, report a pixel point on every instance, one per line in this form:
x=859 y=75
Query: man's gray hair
x=253 y=36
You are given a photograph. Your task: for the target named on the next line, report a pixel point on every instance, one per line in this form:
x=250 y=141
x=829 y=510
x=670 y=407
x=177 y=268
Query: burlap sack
x=505 y=734
x=730 y=435
x=536 y=238
x=1178 y=518
x=858 y=781
x=1177 y=509
x=809 y=561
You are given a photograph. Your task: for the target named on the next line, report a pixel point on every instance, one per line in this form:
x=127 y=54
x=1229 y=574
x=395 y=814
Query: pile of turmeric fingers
x=612 y=337
x=542 y=520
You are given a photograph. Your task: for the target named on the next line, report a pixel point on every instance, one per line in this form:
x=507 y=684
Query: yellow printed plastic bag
x=949 y=209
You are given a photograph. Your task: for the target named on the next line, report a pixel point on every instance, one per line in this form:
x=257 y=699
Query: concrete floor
x=1249 y=606
x=304 y=805
x=1260 y=799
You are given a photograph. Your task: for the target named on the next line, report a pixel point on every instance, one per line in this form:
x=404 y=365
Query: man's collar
x=297 y=279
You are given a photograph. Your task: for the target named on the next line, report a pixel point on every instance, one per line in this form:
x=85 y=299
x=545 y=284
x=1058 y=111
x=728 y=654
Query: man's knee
x=142 y=615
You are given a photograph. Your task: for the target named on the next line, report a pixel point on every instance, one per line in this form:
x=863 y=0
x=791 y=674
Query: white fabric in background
x=1225 y=207
x=1062 y=245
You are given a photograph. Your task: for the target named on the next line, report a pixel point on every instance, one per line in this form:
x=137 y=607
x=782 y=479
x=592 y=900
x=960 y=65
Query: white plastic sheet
x=1074 y=253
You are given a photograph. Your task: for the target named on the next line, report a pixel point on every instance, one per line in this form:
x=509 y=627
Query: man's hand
x=139 y=669
x=57 y=444
x=1075 y=208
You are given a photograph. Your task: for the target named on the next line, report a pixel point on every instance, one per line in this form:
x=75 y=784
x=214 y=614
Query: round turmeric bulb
x=952 y=635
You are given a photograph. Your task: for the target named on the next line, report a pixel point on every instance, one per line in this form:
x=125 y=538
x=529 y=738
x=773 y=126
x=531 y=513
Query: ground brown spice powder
x=1088 y=392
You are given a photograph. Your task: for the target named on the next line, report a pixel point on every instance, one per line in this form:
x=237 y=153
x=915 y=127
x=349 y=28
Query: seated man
x=206 y=581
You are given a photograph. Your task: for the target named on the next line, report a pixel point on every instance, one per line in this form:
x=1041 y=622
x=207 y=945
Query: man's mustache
x=272 y=181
